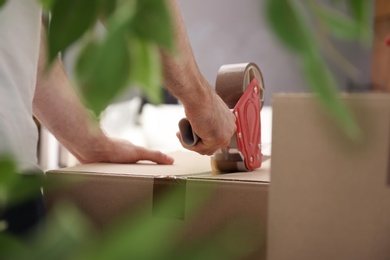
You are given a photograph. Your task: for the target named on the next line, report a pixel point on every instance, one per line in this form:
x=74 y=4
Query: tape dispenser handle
x=188 y=136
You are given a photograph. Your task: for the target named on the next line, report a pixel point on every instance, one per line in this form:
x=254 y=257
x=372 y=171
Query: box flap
x=187 y=164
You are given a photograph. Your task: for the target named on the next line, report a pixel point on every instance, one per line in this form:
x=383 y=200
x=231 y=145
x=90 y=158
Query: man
x=26 y=91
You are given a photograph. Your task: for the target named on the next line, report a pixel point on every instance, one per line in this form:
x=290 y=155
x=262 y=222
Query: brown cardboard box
x=329 y=198
x=107 y=191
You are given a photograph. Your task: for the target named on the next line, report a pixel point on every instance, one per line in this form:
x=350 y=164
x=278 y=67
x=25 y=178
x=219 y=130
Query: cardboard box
x=330 y=197
x=108 y=191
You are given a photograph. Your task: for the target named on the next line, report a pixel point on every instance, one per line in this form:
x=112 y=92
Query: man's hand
x=213 y=122
x=123 y=151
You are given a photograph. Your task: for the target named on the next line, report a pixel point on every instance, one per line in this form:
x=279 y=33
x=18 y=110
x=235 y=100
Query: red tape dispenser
x=241 y=87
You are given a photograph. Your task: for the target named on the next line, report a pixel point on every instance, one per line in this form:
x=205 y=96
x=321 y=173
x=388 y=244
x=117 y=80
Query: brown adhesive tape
x=233 y=79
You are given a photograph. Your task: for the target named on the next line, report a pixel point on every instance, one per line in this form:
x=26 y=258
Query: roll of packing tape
x=233 y=79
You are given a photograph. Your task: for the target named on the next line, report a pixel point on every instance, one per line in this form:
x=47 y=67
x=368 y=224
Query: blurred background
x=221 y=32
x=229 y=31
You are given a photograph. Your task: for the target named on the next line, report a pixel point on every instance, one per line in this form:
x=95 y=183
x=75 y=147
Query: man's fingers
x=191 y=148
x=204 y=149
x=200 y=147
x=154 y=156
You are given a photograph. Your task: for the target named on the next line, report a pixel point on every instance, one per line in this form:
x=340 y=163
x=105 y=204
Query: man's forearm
x=181 y=73
x=58 y=107
x=209 y=116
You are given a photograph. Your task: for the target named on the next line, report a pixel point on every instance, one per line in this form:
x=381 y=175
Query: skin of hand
x=213 y=122
x=57 y=106
x=209 y=116
x=123 y=151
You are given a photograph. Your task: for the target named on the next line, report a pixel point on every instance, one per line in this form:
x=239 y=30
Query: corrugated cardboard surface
x=329 y=198
x=107 y=191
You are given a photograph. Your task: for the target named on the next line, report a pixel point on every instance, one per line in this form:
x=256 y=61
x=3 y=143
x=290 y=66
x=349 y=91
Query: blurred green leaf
x=14 y=187
x=66 y=232
x=7 y=169
x=86 y=60
x=63 y=236
x=2 y=2
x=10 y=246
x=361 y=11
x=123 y=13
x=8 y=177
x=337 y=23
x=25 y=187
x=103 y=71
x=47 y=4
x=321 y=82
x=285 y=21
x=106 y=8
x=147 y=69
x=152 y=21
x=70 y=19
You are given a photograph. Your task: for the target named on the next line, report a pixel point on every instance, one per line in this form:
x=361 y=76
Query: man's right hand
x=213 y=122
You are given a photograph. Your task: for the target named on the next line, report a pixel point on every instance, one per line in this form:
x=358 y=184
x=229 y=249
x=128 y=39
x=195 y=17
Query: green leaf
x=361 y=11
x=152 y=21
x=337 y=23
x=10 y=246
x=47 y=4
x=147 y=70
x=7 y=169
x=65 y=233
x=288 y=23
x=70 y=19
x=2 y=2
x=106 y=8
x=25 y=187
x=86 y=61
x=103 y=71
x=285 y=21
x=14 y=187
x=8 y=177
x=321 y=82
